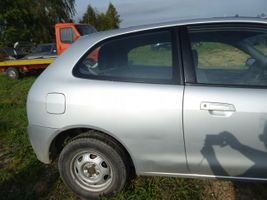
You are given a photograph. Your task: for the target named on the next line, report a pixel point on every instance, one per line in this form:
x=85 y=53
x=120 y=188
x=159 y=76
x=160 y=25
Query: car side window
x=259 y=42
x=229 y=55
x=143 y=57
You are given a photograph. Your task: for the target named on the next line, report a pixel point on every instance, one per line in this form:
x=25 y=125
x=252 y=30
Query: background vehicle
x=196 y=109
x=9 y=53
x=48 y=50
x=66 y=34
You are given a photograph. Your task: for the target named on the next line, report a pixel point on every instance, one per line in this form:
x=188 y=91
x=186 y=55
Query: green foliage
x=162 y=188
x=113 y=18
x=102 y=21
x=146 y=55
x=217 y=55
x=31 y=20
x=90 y=16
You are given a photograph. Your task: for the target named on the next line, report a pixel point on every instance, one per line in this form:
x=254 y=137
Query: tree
x=32 y=20
x=90 y=16
x=14 y=17
x=102 y=21
x=113 y=17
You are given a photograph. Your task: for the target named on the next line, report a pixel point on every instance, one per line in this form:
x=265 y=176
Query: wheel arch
x=67 y=134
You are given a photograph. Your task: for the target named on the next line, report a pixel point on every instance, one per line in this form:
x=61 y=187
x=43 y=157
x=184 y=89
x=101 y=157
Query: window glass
x=67 y=35
x=42 y=49
x=229 y=55
x=259 y=42
x=217 y=55
x=159 y=54
x=144 y=57
x=85 y=29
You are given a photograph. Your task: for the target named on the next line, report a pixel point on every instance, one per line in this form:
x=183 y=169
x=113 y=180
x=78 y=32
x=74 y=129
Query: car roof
x=255 y=20
x=204 y=21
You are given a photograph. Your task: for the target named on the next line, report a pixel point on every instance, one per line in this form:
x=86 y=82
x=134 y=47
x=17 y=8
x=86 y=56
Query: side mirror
x=250 y=61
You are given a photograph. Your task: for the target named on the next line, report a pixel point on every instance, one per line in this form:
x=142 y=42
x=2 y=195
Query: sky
x=137 y=12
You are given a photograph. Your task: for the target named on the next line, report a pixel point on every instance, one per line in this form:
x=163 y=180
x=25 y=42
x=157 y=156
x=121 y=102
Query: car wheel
x=13 y=73
x=92 y=168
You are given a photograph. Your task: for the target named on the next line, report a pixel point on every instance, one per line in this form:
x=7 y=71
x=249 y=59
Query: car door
x=133 y=90
x=225 y=100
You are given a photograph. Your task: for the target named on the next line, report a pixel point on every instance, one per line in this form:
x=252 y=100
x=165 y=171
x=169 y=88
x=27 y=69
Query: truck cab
x=67 y=33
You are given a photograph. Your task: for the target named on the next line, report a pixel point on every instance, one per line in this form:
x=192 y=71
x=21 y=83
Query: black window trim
x=177 y=75
x=188 y=65
x=177 y=56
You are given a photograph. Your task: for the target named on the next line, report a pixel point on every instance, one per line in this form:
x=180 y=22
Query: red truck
x=66 y=34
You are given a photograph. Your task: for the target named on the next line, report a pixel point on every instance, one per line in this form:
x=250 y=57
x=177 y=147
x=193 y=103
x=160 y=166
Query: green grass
x=220 y=56
x=22 y=176
x=262 y=48
x=145 y=55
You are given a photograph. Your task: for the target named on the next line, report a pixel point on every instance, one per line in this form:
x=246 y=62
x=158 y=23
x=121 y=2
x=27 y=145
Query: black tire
x=13 y=73
x=85 y=163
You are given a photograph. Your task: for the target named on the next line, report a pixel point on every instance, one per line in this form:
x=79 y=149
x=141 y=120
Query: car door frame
x=191 y=80
x=167 y=154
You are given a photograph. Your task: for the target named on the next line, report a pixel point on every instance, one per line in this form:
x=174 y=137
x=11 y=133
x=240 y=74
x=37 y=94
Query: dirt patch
x=250 y=191
x=228 y=190
x=220 y=190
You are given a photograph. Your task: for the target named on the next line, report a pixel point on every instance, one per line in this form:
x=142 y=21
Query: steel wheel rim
x=91 y=170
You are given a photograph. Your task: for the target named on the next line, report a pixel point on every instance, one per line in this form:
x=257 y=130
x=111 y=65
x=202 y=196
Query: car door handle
x=216 y=106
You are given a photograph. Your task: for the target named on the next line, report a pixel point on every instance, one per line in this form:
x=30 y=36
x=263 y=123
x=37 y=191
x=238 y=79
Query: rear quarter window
x=143 y=57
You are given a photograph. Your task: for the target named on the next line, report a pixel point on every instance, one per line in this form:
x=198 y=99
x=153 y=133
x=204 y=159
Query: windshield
x=42 y=49
x=85 y=29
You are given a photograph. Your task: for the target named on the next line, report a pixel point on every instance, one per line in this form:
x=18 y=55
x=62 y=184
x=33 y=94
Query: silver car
x=112 y=106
